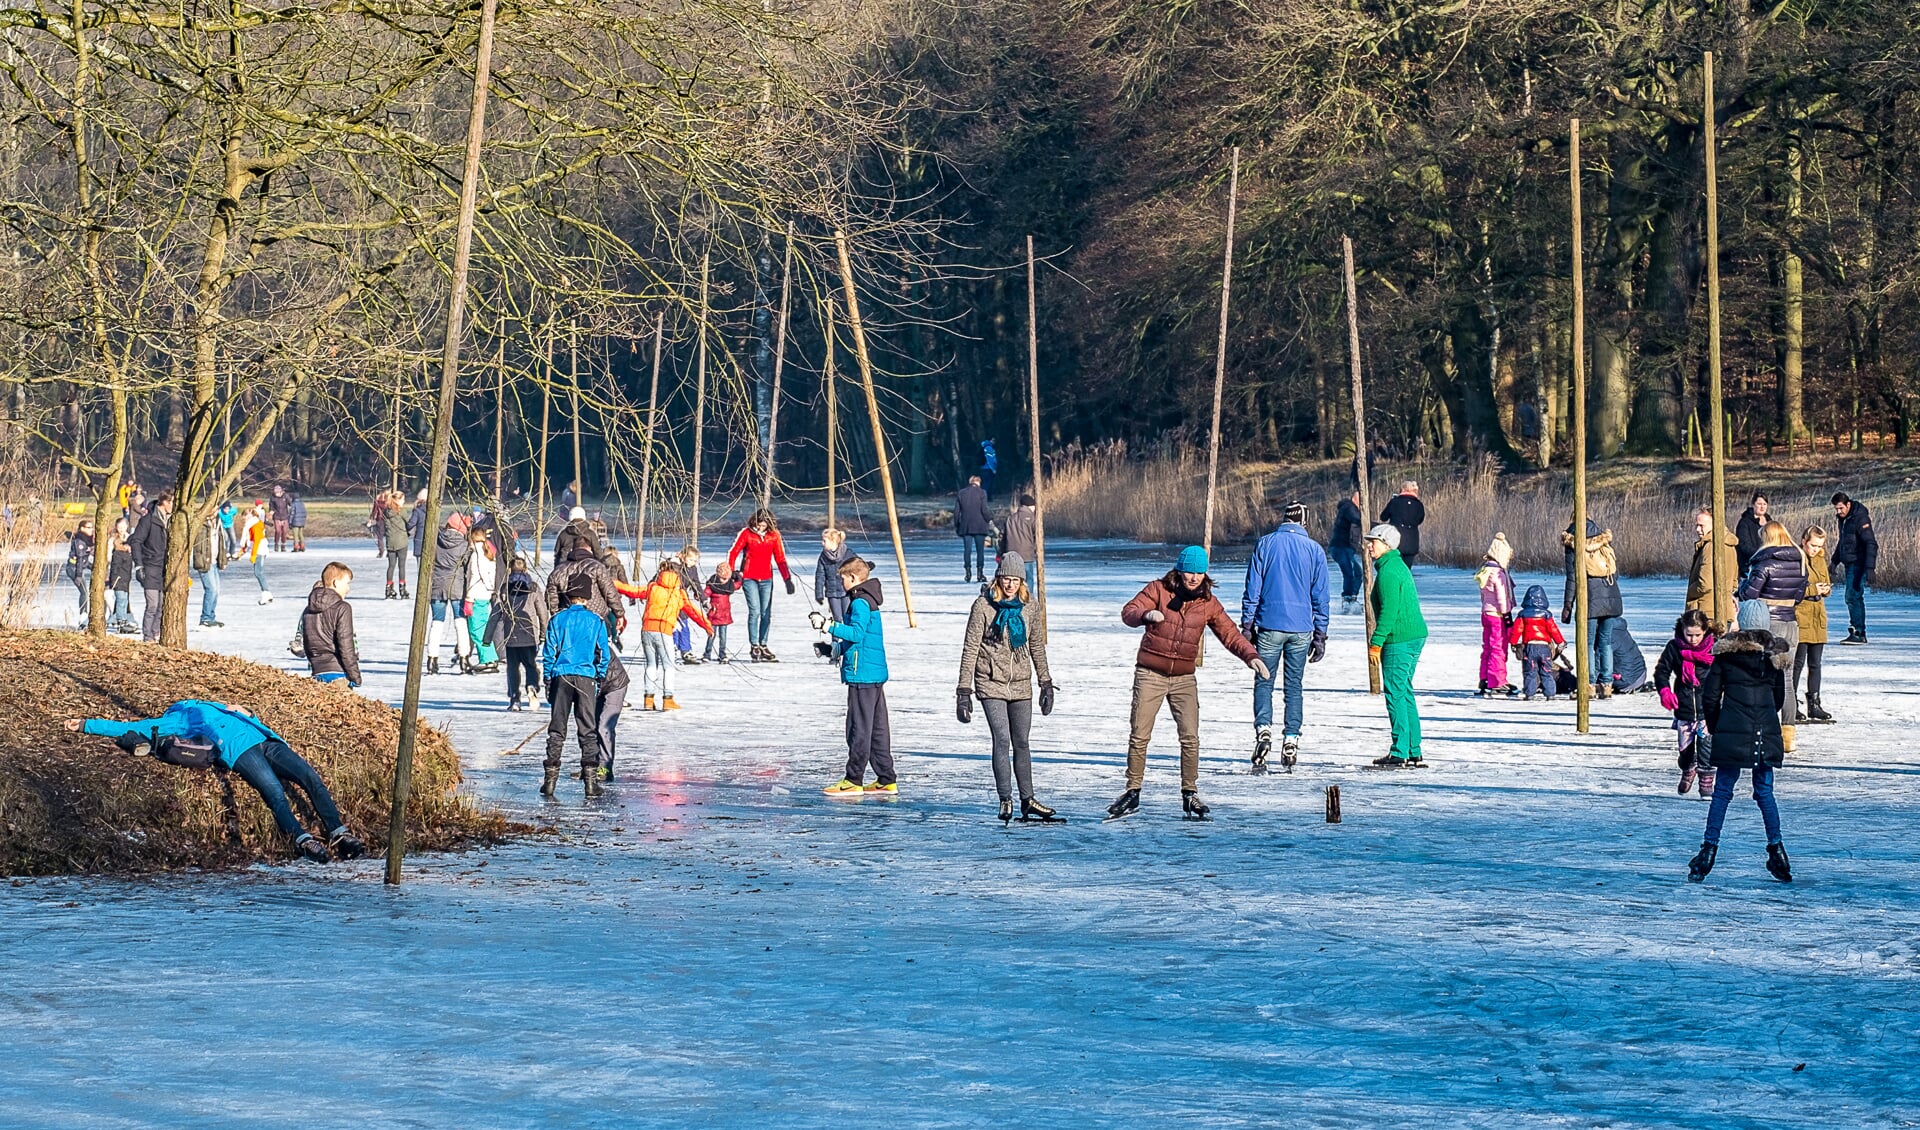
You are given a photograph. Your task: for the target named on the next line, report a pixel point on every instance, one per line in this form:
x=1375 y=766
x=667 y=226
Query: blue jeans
x=1273 y=646
x=330 y=677
x=270 y=766
x=1856 y=590
x=973 y=554
x=718 y=637
x=209 y=595
x=1349 y=563
x=759 y=596
x=122 y=607
x=1600 y=649
x=1762 y=796
x=260 y=572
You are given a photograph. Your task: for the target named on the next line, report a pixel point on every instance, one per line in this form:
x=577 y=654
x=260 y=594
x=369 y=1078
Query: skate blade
x=1196 y=819
x=1122 y=816
x=1049 y=819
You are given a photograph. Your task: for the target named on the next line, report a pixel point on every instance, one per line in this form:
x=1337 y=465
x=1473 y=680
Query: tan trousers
x=1181 y=693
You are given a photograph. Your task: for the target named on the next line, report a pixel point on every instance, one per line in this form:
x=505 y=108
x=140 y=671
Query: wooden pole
x=399 y=394
x=1715 y=404
x=646 y=453
x=1582 y=656
x=873 y=415
x=540 y=498
x=499 y=417
x=1220 y=353
x=573 y=392
x=699 y=404
x=442 y=441
x=779 y=361
x=1033 y=417
x=831 y=379
x=1360 y=453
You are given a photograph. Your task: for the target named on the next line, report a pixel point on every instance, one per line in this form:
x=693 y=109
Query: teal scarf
x=1010 y=624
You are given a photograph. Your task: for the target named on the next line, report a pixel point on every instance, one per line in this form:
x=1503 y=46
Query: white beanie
x=577 y=513
x=1386 y=533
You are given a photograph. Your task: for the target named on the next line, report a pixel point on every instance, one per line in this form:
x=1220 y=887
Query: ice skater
x=663 y=603
x=1811 y=614
x=720 y=589
x=1399 y=635
x=518 y=628
x=1284 y=612
x=1743 y=696
x=575 y=659
x=1005 y=649
x=1176 y=611
x=194 y=734
x=1496 y=617
x=1679 y=676
x=863 y=668
x=754 y=555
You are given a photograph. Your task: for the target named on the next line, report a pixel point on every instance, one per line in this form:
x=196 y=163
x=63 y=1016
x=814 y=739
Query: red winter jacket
x=753 y=556
x=1534 y=629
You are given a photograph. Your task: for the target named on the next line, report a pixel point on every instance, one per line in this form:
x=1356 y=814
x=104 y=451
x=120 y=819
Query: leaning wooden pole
x=442 y=442
x=873 y=415
x=499 y=418
x=1583 y=655
x=1360 y=453
x=546 y=440
x=1716 y=405
x=779 y=362
x=831 y=378
x=573 y=390
x=646 y=453
x=1033 y=433
x=699 y=403
x=1220 y=351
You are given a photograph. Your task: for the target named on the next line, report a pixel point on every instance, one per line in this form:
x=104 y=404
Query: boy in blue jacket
x=201 y=735
x=575 y=660
x=863 y=668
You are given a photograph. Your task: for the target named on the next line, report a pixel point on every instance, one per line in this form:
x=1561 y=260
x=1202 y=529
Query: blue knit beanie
x=1755 y=616
x=1193 y=559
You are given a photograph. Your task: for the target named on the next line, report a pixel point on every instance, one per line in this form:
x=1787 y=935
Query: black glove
x=789 y=586
x=1046 y=699
x=963 y=705
x=1317 y=650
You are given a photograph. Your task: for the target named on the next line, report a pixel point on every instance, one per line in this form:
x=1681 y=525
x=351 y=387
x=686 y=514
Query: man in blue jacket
x=1284 y=613
x=863 y=668
x=202 y=735
x=574 y=660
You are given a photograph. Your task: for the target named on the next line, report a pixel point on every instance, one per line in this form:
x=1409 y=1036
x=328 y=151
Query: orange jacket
x=665 y=600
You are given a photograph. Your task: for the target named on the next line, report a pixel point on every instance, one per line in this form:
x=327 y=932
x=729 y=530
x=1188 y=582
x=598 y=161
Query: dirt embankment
x=72 y=803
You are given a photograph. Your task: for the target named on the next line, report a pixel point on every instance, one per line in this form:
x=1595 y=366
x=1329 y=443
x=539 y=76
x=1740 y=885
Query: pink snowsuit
x=1496 y=604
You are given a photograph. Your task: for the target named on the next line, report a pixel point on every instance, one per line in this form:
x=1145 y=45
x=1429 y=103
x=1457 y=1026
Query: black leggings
x=396 y=567
x=271 y=765
x=1808 y=655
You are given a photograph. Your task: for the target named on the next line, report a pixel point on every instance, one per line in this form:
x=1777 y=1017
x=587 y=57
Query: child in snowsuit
x=863 y=669
x=1743 y=695
x=575 y=659
x=1176 y=611
x=1679 y=676
x=201 y=735
x=720 y=589
x=518 y=627
x=1534 y=638
x=1496 y=614
x=664 y=601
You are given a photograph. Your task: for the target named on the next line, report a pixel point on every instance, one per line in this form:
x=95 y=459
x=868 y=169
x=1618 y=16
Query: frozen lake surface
x=1506 y=939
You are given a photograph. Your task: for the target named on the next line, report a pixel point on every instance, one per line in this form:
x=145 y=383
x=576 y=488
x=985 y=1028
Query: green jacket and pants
x=1400 y=632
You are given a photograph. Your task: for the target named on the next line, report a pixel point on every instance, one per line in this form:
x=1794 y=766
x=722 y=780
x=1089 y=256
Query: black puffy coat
x=450 y=549
x=1775 y=572
x=1743 y=694
x=1347 y=527
x=327 y=628
x=1856 y=545
x=1405 y=512
x=1749 y=533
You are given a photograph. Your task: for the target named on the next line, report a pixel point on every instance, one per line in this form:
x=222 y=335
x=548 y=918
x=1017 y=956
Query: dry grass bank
x=1649 y=504
x=70 y=803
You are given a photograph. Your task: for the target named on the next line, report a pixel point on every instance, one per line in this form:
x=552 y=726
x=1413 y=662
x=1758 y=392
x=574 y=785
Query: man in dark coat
x=1405 y=512
x=972 y=522
x=149 y=545
x=1345 y=549
x=1857 y=549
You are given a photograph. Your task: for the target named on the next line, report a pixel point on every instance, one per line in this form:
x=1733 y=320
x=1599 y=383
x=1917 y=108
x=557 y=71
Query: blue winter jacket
x=865 y=658
x=577 y=644
x=231 y=732
x=1286 y=583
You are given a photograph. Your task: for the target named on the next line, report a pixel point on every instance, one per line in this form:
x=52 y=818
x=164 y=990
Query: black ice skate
x=1006 y=810
x=1192 y=807
x=1126 y=805
x=346 y=845
x=1777 y=865
x=1262 y=745
x=1289 y=752
x=1699 y=865
x=1033 y=811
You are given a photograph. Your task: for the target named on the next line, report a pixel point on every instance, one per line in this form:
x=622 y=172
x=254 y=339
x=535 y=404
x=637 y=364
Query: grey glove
x=963 y=705
x=1046 y=699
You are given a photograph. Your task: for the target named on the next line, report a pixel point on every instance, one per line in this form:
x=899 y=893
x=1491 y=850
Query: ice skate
x=766 y=655
x=346 y=845
x=1031 y=810
x=1289 y=752
x=390 y=593
x=1006 y=810
x=1262 y=745
x=1192 y=807
x=1126 y=805
x=309 y=848
x=1416 y=762
x=1699 y=865
x=1777 y=865
x=1817 y=713
x=433 y=665
x=1388 y=761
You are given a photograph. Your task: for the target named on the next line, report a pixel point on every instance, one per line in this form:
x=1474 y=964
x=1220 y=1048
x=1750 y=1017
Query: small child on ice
x=1679 y=676
x=1496 y=613
x=1534 y=638
x=863 y=668
x=720 y=589
x=1742 y=695
x=664 y=602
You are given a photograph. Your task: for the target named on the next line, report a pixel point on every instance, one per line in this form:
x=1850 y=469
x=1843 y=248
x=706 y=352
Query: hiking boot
x=549 y=780
x=646 y=703
x=346 y=845
x=591 y=775
x=1699 y=865
x=1786 y=739
x=1604 y=690
x=309 y=848
x=1777 y=865
x=667 y=703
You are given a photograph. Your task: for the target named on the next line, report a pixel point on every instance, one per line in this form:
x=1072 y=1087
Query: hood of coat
x=522 y=581
x=1535 y=604
x=668 y=579
x=321 y=599
x=450 y=538
x=1597 y=538
x=1750 y=643
x=867 y=590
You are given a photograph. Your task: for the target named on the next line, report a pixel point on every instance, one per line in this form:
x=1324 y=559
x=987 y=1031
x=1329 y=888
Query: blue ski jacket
x=231 y=732
x=577 y=644
x=865 y=658
x=1286 y=583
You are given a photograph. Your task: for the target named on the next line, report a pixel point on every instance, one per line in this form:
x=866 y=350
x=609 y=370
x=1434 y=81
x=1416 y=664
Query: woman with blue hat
x=1176 y=612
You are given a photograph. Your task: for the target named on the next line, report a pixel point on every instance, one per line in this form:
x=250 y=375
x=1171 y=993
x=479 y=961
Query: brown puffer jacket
x=1172 y=646
x=327 y=628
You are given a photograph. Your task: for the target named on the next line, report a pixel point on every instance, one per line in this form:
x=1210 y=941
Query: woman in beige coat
x=1006 y=647
x=1811 y=614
